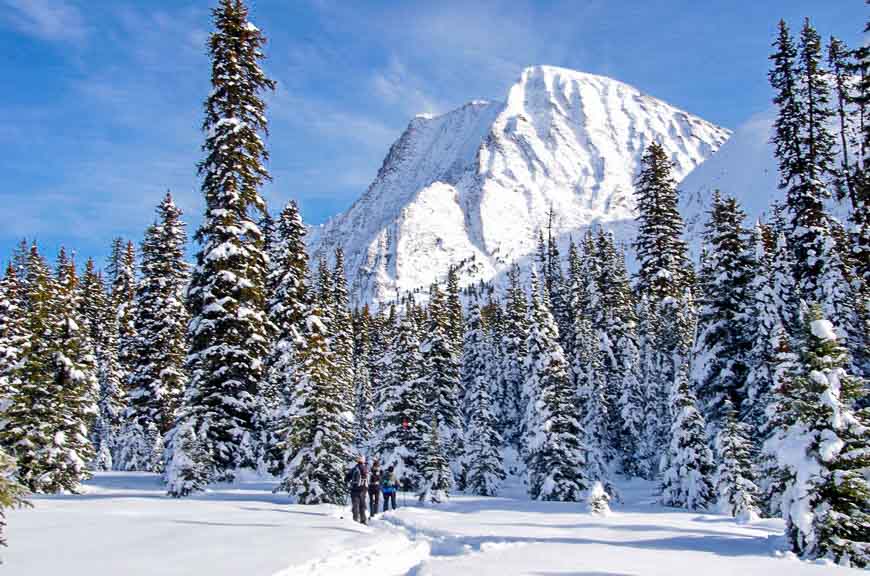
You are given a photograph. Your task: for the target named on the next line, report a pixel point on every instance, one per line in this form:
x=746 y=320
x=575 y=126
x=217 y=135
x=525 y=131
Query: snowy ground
x=124 y=525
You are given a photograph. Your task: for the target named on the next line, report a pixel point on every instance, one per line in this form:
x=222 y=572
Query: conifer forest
x=732 y=384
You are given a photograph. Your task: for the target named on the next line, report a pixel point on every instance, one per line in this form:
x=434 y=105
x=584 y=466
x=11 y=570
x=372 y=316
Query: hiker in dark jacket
x=389 y=486
x=374 y=489
x=358 y=480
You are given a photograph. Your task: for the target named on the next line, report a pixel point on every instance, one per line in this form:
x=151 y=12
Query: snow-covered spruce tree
x=287 y=308
x=765 y=326
x=483 y=468
x=188 y=469
x=806 y=154
x=320 y=428
x=14 y=338
x=511 y=375
x=591 y=402
x=553 y=446
x=616 y=320
x=73 y=390
x=30 y=418
x=441 y=380
x=821 y=446
x=100 y=325
x=229 y=330
x=158 y=378
x=400 y=417
x=382 y=331
x=664 y=285
x=341 y=330
x=687 y=464
x=122 y=281
x=436 y=479
x=734 y=478
x=618 y=341
x=362 y=382
x=723 y=340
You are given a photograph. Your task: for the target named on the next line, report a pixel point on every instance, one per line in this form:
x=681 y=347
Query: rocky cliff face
x=473 y=187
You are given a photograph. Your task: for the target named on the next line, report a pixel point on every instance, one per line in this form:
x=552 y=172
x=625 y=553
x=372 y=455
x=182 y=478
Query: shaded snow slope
x=125 y=524
x=745 y=167
x=472 y=187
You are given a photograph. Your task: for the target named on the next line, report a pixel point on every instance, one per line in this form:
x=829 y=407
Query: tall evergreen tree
x=229 y=330
x=483 y=461
x=362 y=381
x=101 y=329
x=441 y=378
x=765 y=328
x=341 y=330
x=723 y=340
x=436 y=478
x=513 y=352
x=158 y=377
x=122 y=281
x=287 y=309
x=400 y=418
x=810 y=165
x=320 y=430
x=74 y=375
x=30 y=427
x=665 y=284
x=553 y=446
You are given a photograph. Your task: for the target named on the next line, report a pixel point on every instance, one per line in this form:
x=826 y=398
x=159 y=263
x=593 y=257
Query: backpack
x=358 y=477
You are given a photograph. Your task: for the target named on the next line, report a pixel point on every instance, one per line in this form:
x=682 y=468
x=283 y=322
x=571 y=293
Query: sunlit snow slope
x=474 y=186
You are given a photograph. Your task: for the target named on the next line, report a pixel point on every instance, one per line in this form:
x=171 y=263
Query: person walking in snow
x=374 y=488
x=358 y=481
x=389 y=486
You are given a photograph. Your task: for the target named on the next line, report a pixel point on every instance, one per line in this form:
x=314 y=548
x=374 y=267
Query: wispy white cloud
x=395 y=85
x=52 y=20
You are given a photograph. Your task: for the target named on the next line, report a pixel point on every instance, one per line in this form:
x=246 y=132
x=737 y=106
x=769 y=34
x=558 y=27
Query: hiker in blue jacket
x=389 y=486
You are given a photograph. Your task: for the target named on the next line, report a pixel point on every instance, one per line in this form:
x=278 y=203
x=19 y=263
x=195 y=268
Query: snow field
x=124 y=524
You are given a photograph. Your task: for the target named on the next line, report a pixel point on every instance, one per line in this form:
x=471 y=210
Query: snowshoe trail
x=387 y=551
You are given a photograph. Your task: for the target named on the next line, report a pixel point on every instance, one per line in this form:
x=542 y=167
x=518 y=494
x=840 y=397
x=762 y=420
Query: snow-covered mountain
x=474 y=186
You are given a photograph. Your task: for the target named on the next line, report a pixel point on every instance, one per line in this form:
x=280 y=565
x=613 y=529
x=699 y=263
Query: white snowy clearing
x=125 y=525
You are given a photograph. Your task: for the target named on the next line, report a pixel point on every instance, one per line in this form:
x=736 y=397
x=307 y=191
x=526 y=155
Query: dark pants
x=389 y=498
x=358 y=503
x=374 y=502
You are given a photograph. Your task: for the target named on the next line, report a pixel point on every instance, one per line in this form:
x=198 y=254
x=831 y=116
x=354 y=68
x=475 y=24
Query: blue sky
x=102 y=101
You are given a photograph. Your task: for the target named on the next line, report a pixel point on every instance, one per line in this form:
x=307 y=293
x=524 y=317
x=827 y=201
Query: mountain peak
x=473 y=186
